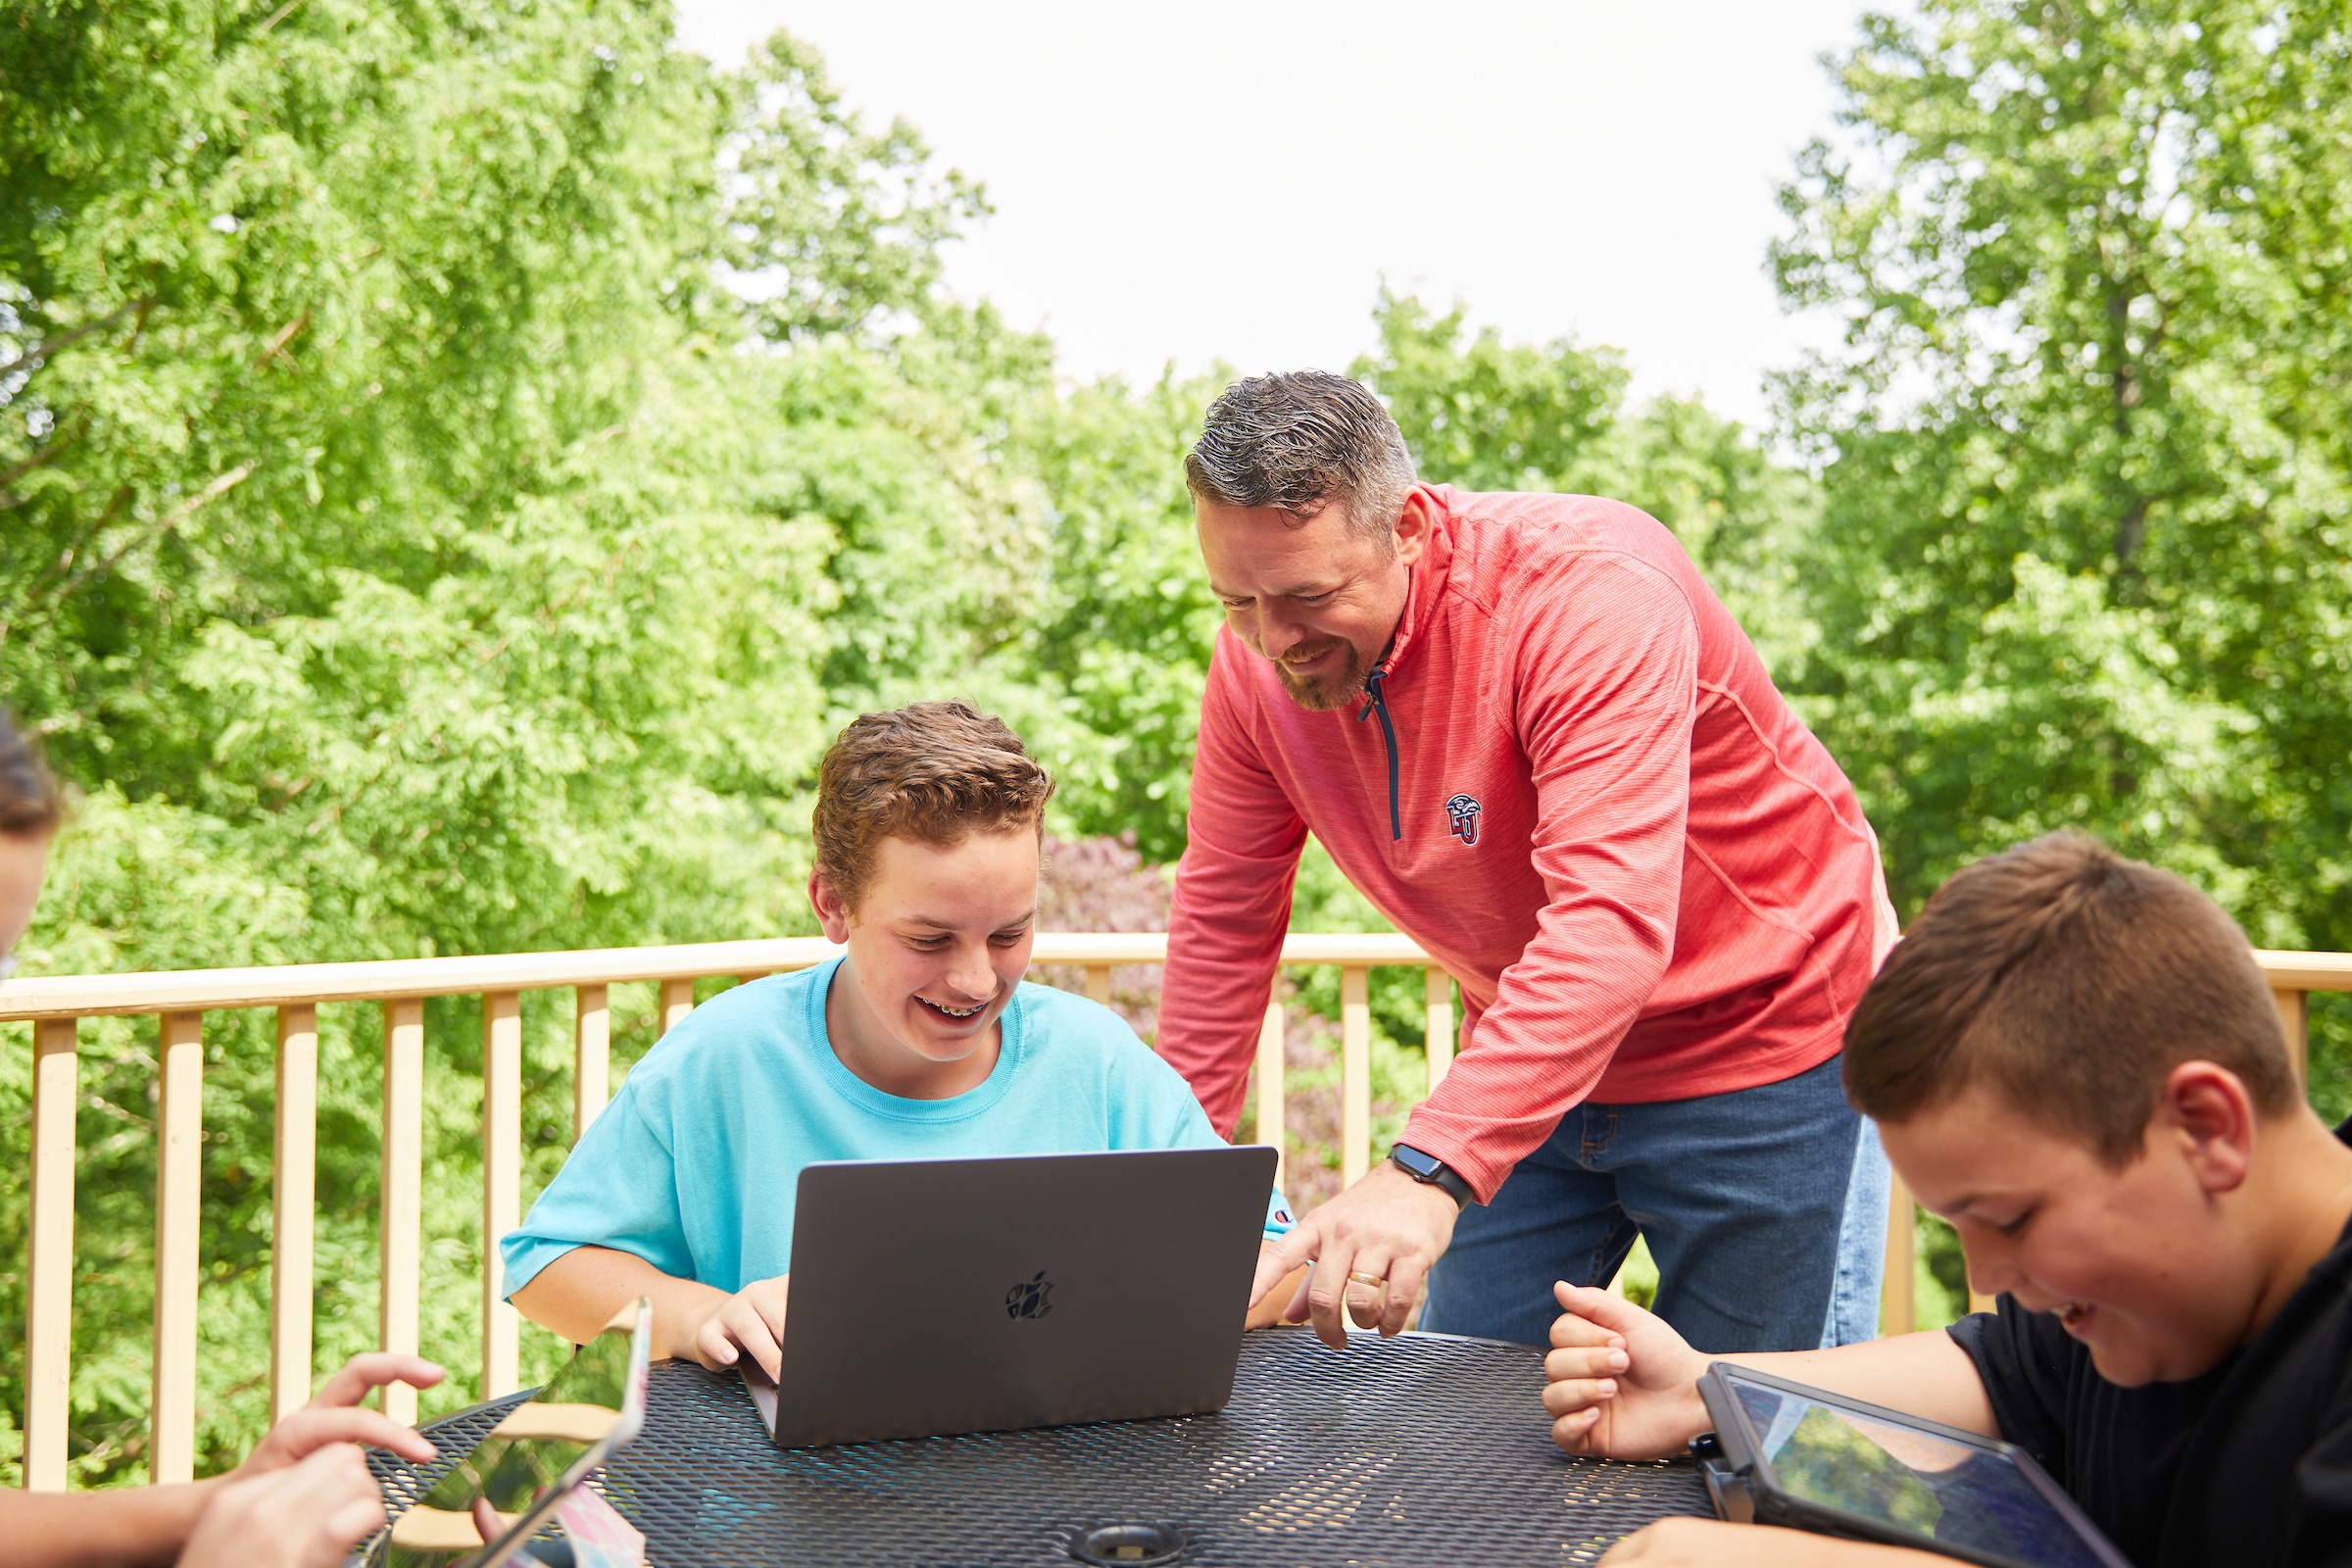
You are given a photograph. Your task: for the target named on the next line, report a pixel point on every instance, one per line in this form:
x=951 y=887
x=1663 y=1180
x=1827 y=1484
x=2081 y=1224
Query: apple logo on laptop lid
x=1029 y=1298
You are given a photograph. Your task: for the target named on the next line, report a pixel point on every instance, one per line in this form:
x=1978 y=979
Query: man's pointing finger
x=1274 y=1263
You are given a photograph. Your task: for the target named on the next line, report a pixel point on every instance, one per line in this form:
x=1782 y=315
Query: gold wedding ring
x=1359 y=1277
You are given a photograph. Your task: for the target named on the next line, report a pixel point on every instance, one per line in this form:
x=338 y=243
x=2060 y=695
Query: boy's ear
x=831 y=911
x=2205 y=1110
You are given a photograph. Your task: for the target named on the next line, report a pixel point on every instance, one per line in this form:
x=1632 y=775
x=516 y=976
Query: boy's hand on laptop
x=752 y=1320
x=1269 y=1307
x=1618 y=1382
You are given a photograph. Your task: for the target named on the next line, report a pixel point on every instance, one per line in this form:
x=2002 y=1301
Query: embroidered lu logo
x=1462 y=812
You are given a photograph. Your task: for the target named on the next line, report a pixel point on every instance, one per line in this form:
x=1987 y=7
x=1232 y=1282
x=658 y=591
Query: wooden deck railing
x=180 y=1001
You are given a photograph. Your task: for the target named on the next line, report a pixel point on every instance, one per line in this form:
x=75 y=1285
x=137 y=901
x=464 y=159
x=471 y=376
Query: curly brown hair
x=935 y=773
x=29 y=803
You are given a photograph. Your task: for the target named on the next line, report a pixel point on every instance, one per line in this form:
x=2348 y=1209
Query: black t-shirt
x=2250 y=1463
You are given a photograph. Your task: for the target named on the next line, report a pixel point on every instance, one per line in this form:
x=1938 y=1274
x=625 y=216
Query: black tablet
x=1788 y=1455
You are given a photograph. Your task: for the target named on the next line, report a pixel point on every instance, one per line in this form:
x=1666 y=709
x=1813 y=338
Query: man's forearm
x=1481 y=1122
x=126 y=1529
x=1924 y=1374
x=1229 y=909
x=578 y=1294
x=1213 y=996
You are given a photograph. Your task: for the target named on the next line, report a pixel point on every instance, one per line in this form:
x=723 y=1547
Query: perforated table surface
x=1417 y=1449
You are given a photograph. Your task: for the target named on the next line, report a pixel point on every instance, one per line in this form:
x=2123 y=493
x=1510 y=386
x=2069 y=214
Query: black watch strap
x=1432 y=1171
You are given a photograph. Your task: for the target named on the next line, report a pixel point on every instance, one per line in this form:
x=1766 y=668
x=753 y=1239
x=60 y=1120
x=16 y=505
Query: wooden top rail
x=2305 y=971
x=90 y=995
x=87 y=996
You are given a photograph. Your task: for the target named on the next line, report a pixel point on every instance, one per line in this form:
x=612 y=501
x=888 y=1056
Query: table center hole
x=1128 y=1545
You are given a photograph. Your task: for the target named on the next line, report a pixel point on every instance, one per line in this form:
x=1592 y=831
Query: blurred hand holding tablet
x=529 y=1471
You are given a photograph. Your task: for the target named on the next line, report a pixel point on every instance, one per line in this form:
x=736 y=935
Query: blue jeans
x=1744 y=1198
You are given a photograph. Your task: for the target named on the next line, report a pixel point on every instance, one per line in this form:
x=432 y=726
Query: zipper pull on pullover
x=1374 y=702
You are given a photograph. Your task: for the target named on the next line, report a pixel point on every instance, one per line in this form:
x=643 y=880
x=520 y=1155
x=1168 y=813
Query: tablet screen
x=1921 y=1482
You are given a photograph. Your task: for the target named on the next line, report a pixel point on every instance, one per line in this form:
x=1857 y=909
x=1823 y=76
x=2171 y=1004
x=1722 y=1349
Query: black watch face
x=1420 y=1166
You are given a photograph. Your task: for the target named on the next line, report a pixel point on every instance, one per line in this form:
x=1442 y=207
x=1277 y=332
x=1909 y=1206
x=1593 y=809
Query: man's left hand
x=1388 y=1227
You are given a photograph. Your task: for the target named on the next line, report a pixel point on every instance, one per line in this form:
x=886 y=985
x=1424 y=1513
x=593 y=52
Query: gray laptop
x=942 y=1295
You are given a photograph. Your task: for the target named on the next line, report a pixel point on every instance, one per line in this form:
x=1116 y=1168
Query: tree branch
x=219 y=486
x=285 y=335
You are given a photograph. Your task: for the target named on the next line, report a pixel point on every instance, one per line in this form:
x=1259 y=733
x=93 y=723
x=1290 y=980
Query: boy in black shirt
x=2074 y=1058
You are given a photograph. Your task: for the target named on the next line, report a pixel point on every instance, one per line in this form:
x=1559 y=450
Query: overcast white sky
x=1222 y=180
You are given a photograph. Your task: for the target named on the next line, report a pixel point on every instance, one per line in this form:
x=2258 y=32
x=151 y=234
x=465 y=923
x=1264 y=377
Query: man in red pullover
x=1534 y=739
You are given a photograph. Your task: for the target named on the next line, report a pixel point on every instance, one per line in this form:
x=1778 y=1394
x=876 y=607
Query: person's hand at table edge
x=1266 y=1305
x=305 y=1516
x=1712 y=1544
x=154 y=1524
x=1618 y=1382
x=1388 y=1228
x=750 y=1321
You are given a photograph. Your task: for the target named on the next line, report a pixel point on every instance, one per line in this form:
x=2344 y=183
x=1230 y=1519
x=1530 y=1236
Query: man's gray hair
x=1298 y=440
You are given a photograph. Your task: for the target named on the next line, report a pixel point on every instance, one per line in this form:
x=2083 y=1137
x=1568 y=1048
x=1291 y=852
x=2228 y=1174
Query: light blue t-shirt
x=738 y=1098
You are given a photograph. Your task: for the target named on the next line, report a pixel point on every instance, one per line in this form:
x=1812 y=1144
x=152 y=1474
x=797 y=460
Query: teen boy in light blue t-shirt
x=922 y=1041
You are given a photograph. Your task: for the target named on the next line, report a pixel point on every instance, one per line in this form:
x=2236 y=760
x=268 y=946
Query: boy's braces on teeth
x=953 y=1012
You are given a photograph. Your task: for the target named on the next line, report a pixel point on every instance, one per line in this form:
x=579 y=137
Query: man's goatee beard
x=1328 y=695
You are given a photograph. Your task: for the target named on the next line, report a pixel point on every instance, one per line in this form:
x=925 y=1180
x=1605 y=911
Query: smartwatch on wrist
x=1431 y=1171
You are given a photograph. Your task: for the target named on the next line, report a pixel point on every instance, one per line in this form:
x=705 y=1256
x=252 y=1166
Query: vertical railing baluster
x=1097 y=983
x=403 y=1223
x=1270 y=1087
x=1438 y=998
x=178 y=1218
x=502 y=1184
x=293 y=1197
x=2294 y=1020
x=591 y=1056
x=1977 y=1301
x=677 y=1001
x=1355 y=1074
x=49 y=1291
x=1898 y=1304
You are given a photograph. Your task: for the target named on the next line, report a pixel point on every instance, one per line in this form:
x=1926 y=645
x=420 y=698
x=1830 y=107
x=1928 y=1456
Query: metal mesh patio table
x=1419 y=1450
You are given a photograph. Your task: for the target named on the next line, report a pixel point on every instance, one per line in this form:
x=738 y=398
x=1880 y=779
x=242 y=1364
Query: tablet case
x=1740 y=1493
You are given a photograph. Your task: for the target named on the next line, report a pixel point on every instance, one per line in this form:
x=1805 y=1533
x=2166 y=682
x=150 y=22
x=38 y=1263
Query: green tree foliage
x=410 y=548
x=2084 y=454
x=2083 y=559
x=830 y=227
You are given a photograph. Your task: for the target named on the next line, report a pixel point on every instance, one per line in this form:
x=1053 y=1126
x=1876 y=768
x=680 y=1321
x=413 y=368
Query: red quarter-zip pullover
x=1649 y=879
